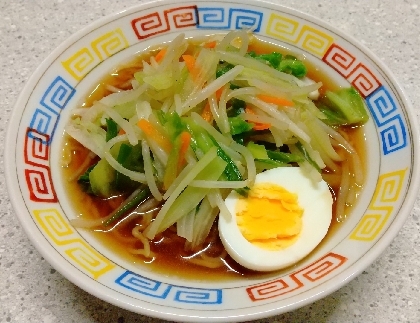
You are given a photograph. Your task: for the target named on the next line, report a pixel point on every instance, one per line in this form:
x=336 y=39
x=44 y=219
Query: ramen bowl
x=65 y=78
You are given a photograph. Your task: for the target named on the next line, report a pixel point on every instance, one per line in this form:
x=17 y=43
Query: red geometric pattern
x=37 y=172
x=315 y=271
x=36 y=151
x=160 y=22
x=355 y=72
x=339 y=59
x=363 y=80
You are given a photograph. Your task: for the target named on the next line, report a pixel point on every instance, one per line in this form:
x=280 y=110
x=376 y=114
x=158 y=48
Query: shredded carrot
x=121 y=132
x=261 y=126
x=159 y=56
x=154 y=134
x=275 y=100
x=185 y=137
x=257 y=125
x=206 y=113
x=190 y=62
x=219 y=93
x=211 y=44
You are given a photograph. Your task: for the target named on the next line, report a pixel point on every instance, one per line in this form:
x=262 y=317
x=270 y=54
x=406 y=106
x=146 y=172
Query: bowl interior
x=67 y=76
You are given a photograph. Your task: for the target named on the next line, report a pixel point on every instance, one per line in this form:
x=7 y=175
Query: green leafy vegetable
x=101 y=178
x=273 y=59
x=263 y=164
x=291 y=65
x=174 y=125
x=286 y=158
x=126 y=110
x=288 y=64
x=223 y=68
x=239 y=125
x=257 y=151
x=333 y=117
x=203 y=141
x=348 y=104
x=123 y=182
x=84 y=181
x=236 y=107
x=111 y=129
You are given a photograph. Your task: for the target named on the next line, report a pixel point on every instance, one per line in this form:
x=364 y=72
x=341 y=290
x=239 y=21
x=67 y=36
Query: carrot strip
x=185 y=137
x=261 y=126
x=211 y=44
x=154 y=134
x=121 y=132
x=190 y=62
x=257 y=125
x=159 y=56
x=275 y=100
x=206 y=113
x=219 y=93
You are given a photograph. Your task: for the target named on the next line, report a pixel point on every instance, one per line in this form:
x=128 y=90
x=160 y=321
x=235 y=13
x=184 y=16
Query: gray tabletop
x=32 y=291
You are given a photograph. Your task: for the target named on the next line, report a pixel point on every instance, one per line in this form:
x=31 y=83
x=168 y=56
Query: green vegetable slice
x=273 y=59
x=282 y=157
x=239 y=125
x=291 y=65
x=111 y=129
x=350 y=104
x=101 y=179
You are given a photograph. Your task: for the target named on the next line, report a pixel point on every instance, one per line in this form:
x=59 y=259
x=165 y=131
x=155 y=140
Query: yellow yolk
x=285 y=216
x=270 y=217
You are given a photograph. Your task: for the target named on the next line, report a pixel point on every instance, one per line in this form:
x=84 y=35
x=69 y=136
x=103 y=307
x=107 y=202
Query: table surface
x=32 y=291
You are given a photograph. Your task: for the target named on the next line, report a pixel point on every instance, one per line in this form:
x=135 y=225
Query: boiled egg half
x=283 y=218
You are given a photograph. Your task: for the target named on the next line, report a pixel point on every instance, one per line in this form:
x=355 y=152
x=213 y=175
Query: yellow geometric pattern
x=386 y=194
x=85 y=59
x=308 y=38
x=59 y=231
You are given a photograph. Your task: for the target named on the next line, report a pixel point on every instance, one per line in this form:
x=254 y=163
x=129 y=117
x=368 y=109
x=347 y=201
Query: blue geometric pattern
x=390 y=123
x=212 y=18
x=381 y=105
x=57 y=95
x=55 y=98
x=143 y=285
x=198 y=295
x=44 y=121
x=393 y=135
x=150 y=287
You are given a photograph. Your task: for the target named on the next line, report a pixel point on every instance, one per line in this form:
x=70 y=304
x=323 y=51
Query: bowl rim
x=341 y=279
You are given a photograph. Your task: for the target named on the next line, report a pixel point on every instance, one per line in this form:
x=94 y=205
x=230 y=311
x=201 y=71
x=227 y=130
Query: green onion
x=136 y=200
x=285 y=158
x=111 y=129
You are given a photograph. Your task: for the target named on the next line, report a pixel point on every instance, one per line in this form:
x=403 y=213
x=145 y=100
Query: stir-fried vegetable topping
x=203 y=119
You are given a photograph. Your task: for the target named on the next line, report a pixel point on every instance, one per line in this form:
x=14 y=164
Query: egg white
x=315 y=199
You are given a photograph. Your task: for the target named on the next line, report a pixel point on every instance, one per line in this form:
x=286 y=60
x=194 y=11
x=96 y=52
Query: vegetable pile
x=204 y=118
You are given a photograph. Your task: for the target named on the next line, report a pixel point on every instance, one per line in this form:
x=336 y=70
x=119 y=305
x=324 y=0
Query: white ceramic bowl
x=64 y=78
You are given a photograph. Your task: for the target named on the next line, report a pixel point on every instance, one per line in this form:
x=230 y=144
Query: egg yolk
x=269 y=217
